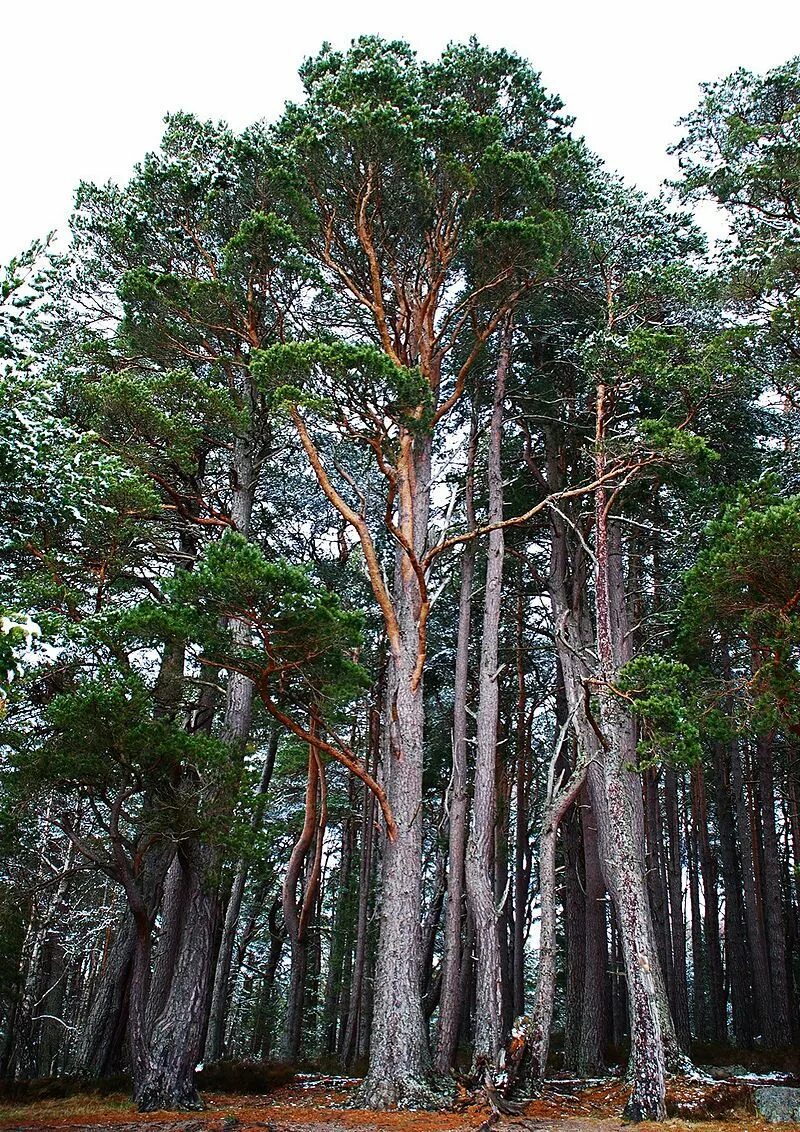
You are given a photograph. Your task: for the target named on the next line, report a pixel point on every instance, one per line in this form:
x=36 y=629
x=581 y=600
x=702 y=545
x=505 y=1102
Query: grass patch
x=54 y=1110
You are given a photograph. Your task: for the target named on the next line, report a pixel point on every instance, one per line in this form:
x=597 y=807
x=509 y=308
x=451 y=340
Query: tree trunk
x=356 y=1020
x=617 y=799
x=680 y=1004
x=261 y=1044
x=759 y=960
x=215 y=1038
x=489 y=1035
x=523 y=858
x=450 y=1003
x=103 y=1030
x=717 y=1012
x=298 y=915
x=400 y=1066
x=538 y=1035
x=166 y=1077
x=737 y=950
x=574 y=902
x=338 y=974
x=773 y=906
x=167 y=946
x=593 y=1014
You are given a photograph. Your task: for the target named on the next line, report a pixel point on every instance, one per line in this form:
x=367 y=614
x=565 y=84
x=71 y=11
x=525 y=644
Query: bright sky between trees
x=87 y=82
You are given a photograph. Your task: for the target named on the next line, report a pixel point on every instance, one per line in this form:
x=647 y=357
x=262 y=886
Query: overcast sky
x=86 y=83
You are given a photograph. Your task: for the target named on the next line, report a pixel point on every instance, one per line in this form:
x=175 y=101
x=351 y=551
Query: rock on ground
x=775 y=1103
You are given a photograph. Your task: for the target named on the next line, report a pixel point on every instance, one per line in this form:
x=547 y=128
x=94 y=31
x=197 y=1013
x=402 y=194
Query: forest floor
x=319 y=1105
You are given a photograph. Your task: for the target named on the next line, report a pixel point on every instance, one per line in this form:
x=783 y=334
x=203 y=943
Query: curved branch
x=341 y=753
x=359 y=523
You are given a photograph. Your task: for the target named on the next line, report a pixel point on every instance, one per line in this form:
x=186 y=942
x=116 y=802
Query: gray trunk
x=400 y=1067
x=450 y=1001
x=593 y=1013
x=215 y=1039
x=489 y=1036
x=166 y=1075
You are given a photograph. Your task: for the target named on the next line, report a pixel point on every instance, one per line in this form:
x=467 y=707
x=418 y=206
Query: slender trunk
x=298 y=916
x=348 y=1050
x=680 y=1003
x=502 y=883
x=215 y=1038
x=759 y=960
x=717 y=1012
x=337 y=978
x=29 y=1058
x=467 y=992
x=737 y=949
x=773 y=905
x=618 y=996
x=523 y=858
x=450 y=1003
x=700 y=962
x=538 y=1035
x=489 y=1035
x=261 y=1043
x=656 y=875
x=593 y=1014
x=575 y=933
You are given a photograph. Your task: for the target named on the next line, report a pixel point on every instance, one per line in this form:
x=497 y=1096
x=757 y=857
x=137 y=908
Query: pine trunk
x=450 y=1002
x=489 y=1035
x=400 y=1067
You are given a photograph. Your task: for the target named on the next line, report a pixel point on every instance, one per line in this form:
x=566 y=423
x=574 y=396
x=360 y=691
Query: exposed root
x=422 y=1093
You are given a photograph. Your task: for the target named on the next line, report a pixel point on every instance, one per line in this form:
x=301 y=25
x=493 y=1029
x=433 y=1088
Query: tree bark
x=356 y=1014
x=215 y=1038
x=593 y=1015
x=756 y=936
x=717 y=1010
x=298 y=915
x=166 y=1078
x=489 y=1034
x=737 y=948
x=538 y=1034
x=523 y=857
x=680 y=1004
x=450 y=1003
x=400 y=1068
x=617 y=798
x=773 y=903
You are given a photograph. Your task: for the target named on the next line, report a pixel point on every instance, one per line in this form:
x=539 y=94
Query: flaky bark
x=400 y=1065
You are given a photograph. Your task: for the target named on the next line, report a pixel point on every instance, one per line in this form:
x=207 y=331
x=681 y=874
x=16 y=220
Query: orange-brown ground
x=319 y=1107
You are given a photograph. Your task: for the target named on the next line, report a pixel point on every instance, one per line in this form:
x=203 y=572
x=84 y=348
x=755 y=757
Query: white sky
x=86 y=83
